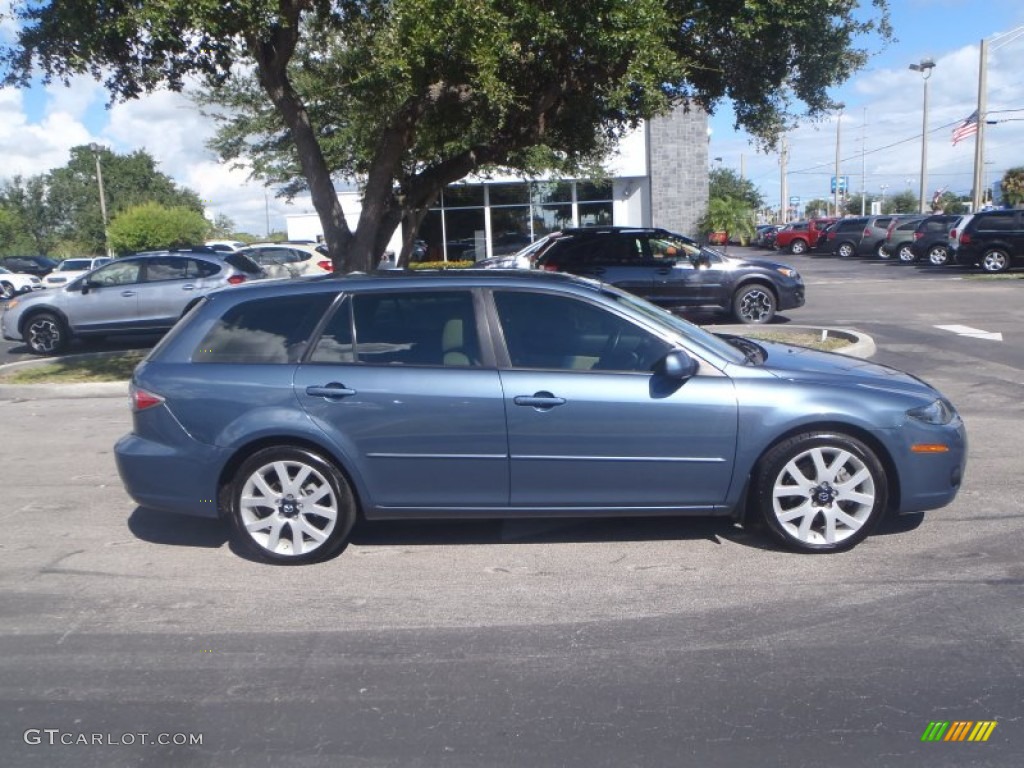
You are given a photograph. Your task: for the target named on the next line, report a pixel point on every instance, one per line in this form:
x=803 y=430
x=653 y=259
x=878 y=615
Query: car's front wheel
x=290 y=506
x=798 y=246
x=45 y=334
x=754 y=304
x=820 y=492
x=906 y=254
x=938 y=255
x=995 y=261
x=846 y=250
x=882 y=251
x=6 y=290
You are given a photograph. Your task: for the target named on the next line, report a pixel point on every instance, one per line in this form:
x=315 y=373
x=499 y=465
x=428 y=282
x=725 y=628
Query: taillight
x=142 y=399
x=965 y=239
x=867 y=232
x=326 y=265
x=550 y=267
x=831 y=236
x=918 y=235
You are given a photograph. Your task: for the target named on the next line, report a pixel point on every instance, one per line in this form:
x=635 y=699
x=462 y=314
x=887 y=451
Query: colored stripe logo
x=959 y=730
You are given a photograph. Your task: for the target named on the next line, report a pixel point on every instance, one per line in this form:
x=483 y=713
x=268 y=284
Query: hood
x=803 y=364
x=762 y=263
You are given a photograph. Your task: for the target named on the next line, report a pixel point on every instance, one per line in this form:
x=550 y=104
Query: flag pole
x=979 y=137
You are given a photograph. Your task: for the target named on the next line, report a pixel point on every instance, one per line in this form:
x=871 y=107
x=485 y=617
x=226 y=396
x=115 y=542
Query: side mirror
x=677 y=365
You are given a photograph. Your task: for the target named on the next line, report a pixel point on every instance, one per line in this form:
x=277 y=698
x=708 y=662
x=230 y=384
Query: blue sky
x=883 y=103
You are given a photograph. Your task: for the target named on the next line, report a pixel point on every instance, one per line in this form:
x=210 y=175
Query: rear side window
x=243 y=263
x=999 y=222
x=436 y=328
x=264 y=331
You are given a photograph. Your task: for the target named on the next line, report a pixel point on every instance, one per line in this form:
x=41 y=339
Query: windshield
x=705 y=339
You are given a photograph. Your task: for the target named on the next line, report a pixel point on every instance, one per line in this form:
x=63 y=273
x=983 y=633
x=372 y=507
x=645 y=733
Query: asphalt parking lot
x=577 y=643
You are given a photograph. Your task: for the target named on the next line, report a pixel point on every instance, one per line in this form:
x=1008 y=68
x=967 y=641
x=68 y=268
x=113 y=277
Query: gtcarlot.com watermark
x=55 y=736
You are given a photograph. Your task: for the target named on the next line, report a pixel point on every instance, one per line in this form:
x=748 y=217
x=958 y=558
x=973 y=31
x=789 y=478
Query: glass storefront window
x=596 y=214
x=510 y=229
x=552 y=192
x=587 y=191
x=463 y=196
x=551 y=218
x=509 y=194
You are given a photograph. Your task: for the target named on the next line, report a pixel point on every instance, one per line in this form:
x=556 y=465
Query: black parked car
x=992 y=240
x=931 y=239
x=40 y=266
x=843 y=238
x=673 y=271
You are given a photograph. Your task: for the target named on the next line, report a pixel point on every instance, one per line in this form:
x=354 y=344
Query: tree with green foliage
x=817 y=207
x=151 y=226
x=726 y=183
x=26 y=201
x=1012 y=186
x=903 y=202
x=407 y=96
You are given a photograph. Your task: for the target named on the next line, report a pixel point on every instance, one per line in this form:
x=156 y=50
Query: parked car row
x=991 y=240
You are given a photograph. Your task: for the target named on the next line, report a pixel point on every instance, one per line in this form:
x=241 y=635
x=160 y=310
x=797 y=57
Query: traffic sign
x=844 y=184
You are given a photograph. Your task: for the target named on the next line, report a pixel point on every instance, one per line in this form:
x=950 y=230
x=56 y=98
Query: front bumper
x=929 y=480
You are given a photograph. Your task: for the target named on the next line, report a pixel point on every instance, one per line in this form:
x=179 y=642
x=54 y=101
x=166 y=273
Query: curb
x=861 y=345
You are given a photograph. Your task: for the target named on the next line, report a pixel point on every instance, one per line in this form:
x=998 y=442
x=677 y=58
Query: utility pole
x=925 y=67
x=863 y=170
x=839 y=128
x=979 y=138
x=96 y=149
x=783 y=190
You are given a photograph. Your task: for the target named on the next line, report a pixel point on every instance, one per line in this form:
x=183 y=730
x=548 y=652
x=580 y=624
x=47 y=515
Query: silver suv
x=136 y=294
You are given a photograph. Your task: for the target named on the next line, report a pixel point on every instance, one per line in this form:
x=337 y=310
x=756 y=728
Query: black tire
x=6 y=290
x=754 y=304
x=798 y=246
x=46 y=334
x=290 y=523
x=994 y=261
x=882 y=251
x=938 y=255
x=846 y=515
x=846 y=250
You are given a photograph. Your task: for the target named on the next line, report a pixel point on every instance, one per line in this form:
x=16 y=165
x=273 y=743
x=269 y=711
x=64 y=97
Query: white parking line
x=974 y=333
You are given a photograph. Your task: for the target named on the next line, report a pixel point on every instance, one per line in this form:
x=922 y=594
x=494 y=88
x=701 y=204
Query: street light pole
x=103 y=198
x=925 y=67
x=839 y=125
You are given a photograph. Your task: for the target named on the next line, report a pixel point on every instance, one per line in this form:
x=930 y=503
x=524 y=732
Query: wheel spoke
x=300 y=479
x=298 y=542
x=269 y=494
x=830 y=528
x=865 y=499
x=274 y=539
x=821 y=469
x=805 y=525
x=806 y=509
x=848 y=520
x=281 y=470
x=311 y=530
x=260 y=524
x=837 y=464
x=796 y=474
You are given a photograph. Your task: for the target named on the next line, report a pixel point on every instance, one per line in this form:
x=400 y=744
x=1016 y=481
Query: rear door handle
x=331 y=391
x=188 y=287
x=664 y=271
x=540 y=400
x=127 y=293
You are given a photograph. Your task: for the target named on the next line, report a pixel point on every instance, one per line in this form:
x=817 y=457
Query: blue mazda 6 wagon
x=293 y=408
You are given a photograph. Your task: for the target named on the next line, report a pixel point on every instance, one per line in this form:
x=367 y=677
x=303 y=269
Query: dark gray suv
x=134 y=294
x=673 y=271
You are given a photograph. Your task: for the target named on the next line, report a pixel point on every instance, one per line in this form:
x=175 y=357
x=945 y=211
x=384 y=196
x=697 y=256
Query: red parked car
x=801 y=236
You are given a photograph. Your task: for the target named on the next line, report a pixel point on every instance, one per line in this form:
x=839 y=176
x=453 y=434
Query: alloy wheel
x=995 y=261
x=938 y=255
x=823 y=496
x=755 y=305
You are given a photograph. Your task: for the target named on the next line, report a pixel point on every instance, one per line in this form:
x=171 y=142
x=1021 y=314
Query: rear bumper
x=169 y=478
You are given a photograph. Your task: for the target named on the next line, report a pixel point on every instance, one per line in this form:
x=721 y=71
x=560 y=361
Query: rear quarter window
x=264 y=331
x=997 y=223
x=243 y=263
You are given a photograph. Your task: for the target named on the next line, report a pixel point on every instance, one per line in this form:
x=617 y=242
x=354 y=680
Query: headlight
x=788 y=272
x=939 y=412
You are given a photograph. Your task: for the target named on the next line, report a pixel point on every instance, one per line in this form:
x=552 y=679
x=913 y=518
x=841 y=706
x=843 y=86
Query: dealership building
x=657 y=178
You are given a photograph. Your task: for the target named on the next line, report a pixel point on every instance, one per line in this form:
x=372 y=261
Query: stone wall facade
x=678 y=166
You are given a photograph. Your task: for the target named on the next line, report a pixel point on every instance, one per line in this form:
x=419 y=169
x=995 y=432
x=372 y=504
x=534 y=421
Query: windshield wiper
x=753 y=353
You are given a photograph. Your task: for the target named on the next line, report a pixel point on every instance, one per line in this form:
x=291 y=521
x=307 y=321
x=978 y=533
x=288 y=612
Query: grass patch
x=812 y=340
x=91 y=370
x=1004 y=276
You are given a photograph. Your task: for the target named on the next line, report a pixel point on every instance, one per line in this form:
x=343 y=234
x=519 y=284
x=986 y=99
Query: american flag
x=968 y=127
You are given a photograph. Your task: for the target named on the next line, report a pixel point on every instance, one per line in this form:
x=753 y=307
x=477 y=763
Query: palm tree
x=731 y=216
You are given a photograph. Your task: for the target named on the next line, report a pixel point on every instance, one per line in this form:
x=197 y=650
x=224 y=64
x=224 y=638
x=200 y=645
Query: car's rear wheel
x=906 y=254
x=798 y=246
x=882 y=251
x=45 y=334
x=995 y=261
x=291 y=506
x=754 y=304
x=938 y=255
x=6 y=290
x=820 y=492
x=846 y=250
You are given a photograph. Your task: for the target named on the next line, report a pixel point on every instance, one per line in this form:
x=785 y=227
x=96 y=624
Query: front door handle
x=188 y=287
x=331 y=391
x=664 y=271
x=540 y=400
x=127 y=293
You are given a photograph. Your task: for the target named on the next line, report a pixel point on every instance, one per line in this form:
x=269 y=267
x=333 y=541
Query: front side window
x=436 y=328
x=562 y=333
x=264 y=331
